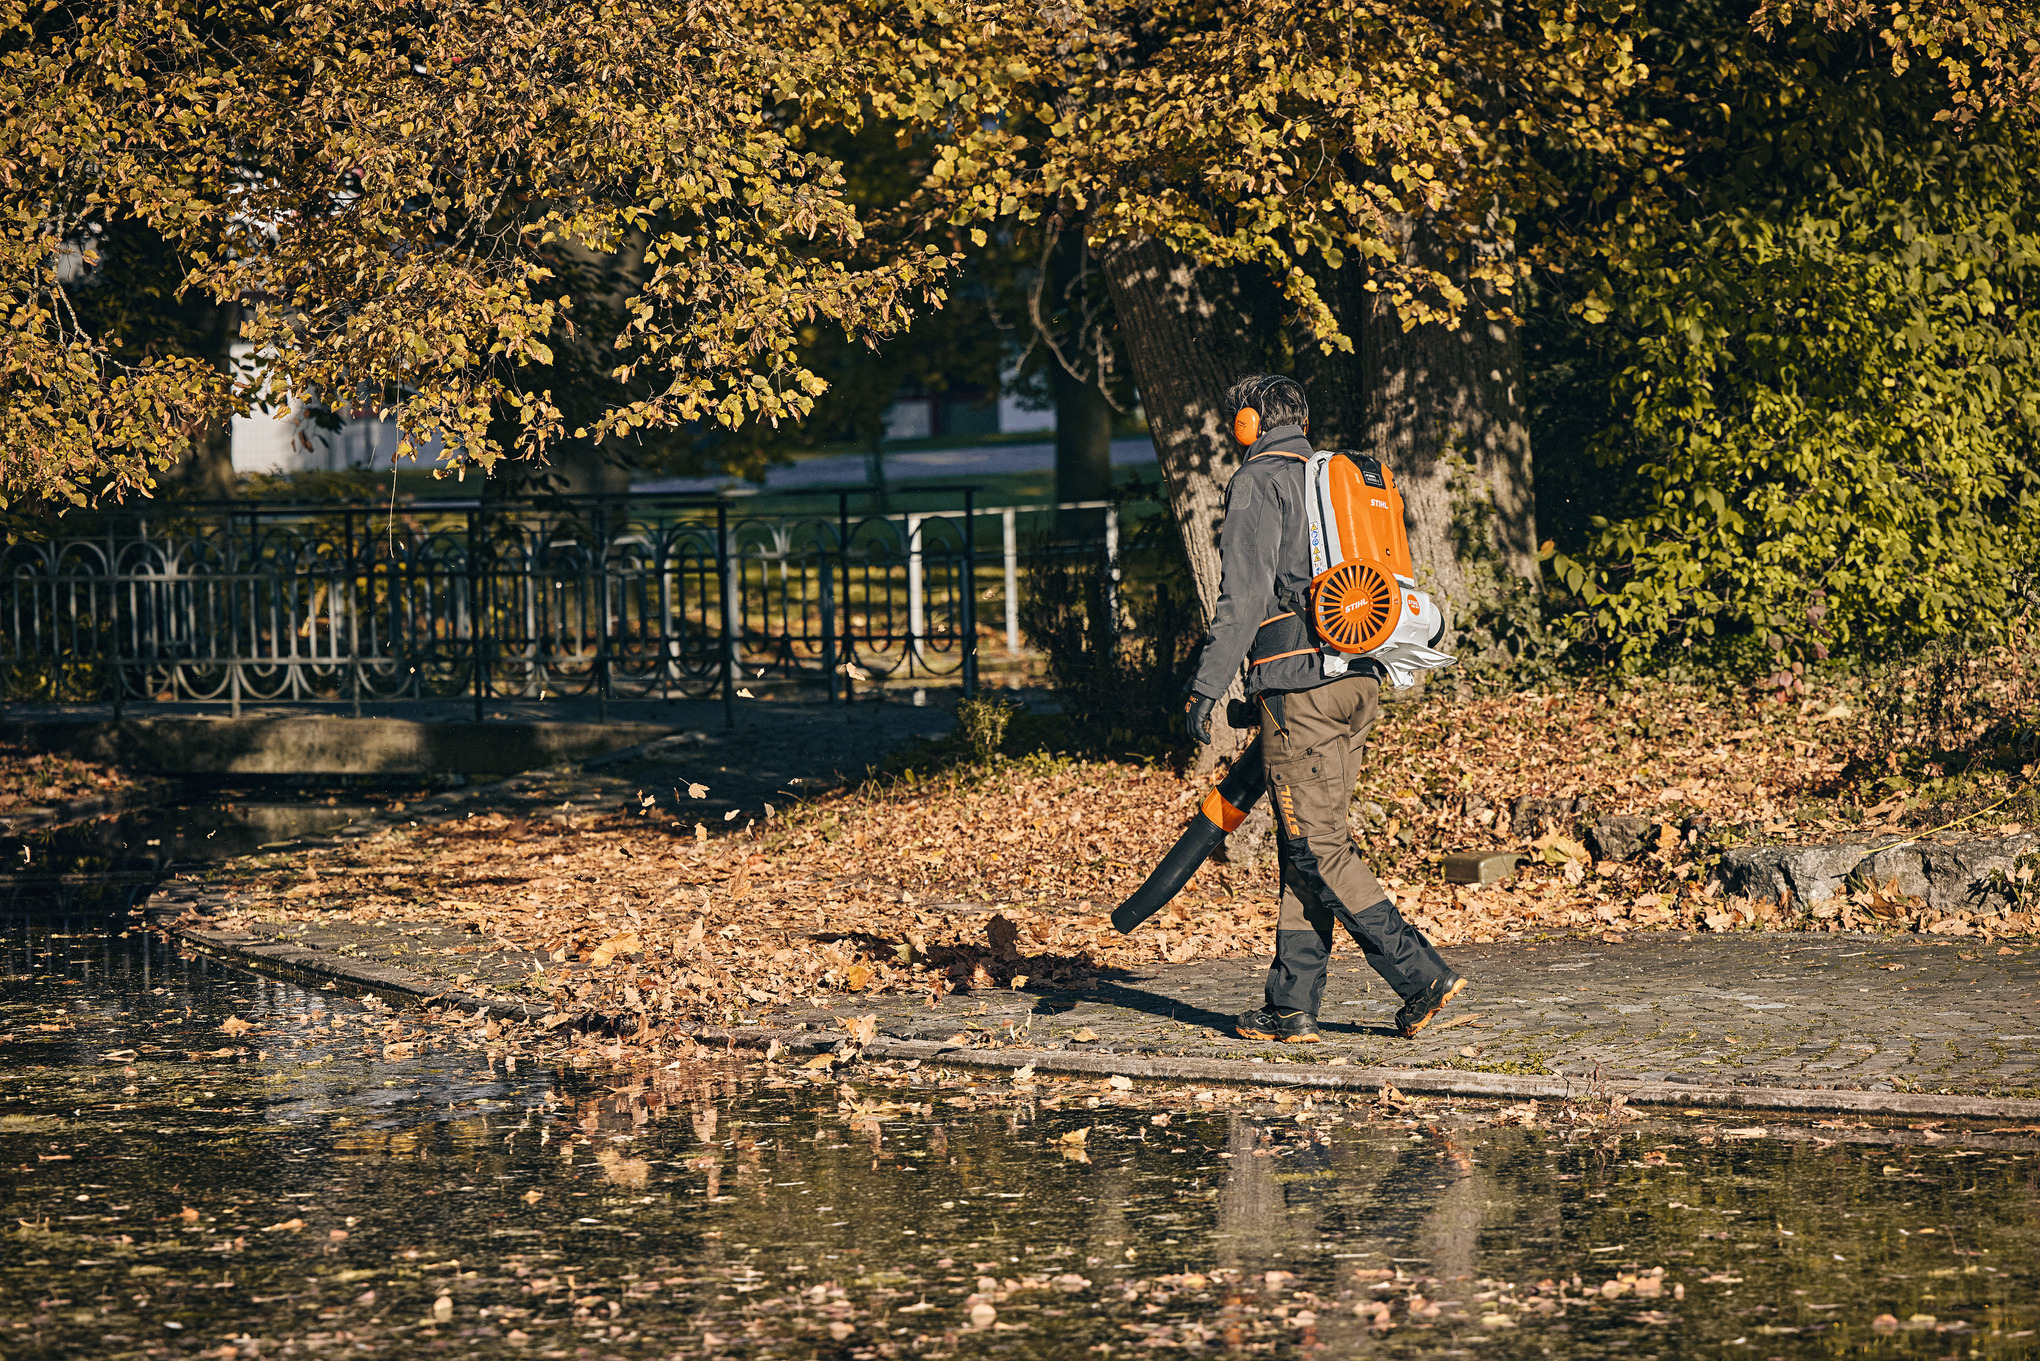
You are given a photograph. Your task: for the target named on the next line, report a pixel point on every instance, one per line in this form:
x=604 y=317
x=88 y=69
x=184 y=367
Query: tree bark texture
x=1445 y=411
x=1191 y=331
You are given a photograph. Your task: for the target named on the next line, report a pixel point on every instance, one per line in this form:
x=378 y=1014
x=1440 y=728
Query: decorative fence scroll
x=571 y=596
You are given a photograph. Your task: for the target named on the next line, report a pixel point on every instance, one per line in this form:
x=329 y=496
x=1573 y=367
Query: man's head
x=1266 y=400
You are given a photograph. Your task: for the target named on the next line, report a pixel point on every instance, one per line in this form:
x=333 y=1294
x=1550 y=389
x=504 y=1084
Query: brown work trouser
x=1312 y=741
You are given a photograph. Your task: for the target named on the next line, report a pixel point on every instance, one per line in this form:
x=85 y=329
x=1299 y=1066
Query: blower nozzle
x=1224 y=809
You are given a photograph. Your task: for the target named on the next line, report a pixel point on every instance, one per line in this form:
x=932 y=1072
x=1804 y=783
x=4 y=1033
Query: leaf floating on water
x=287 y=1226
x=234 y=1025
x=1075 y=1136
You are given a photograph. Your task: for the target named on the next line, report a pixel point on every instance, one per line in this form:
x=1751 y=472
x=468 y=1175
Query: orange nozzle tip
x=1224 y=815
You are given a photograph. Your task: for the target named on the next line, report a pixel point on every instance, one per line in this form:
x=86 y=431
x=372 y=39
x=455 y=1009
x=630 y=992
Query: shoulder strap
x=1278 y=453
x=1323 y=545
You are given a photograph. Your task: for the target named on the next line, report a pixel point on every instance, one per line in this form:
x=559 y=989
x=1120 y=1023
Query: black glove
x=1197 y=718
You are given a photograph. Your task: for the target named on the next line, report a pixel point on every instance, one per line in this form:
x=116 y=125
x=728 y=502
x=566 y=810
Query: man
x=1313 y=730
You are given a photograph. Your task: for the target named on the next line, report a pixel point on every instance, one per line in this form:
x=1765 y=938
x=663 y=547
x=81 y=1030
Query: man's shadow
x=1113 y=992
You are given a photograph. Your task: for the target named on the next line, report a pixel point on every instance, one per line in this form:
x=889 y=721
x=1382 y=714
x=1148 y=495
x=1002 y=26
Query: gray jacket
x=1264 y=553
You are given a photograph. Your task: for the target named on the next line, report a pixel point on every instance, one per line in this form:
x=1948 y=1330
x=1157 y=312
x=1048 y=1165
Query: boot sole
x=1450 y=993
x=1271 y=1035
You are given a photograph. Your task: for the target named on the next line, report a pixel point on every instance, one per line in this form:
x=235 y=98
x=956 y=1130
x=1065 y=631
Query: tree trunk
x=1445 y=412
x=1190 y=332
x=1338 y=383
x=1083 y=449
x=206 y=472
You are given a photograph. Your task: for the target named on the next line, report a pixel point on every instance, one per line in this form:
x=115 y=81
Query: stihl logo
x=1414 y=607
x=1285 y=800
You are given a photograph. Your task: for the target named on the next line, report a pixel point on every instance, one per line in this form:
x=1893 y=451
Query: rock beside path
x=1946 y=876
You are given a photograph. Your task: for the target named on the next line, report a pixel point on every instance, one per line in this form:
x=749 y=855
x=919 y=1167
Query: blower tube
x=1224 y=809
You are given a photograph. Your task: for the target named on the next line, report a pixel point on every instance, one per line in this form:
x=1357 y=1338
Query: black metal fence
x=653 y=597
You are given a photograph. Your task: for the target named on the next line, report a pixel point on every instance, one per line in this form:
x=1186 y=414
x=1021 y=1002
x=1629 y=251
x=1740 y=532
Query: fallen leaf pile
x=37 y=779
x=1005 y=876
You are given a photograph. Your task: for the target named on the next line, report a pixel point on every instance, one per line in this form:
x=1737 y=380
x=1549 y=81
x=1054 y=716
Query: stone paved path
x=1844 y=1011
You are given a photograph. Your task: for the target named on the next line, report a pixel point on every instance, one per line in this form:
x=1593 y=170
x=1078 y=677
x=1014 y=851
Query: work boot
x=1290 y=1027
x=1417 y=1011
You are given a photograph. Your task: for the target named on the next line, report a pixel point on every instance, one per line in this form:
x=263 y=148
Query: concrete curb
x=327 y=744
x=1453 y=1082
x=299 y=963
x=442 y=806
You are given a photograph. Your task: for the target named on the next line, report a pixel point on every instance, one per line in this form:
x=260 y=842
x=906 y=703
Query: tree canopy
x=397 y=196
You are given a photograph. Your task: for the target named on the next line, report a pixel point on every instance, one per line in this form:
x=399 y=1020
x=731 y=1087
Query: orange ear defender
x=1246 y=425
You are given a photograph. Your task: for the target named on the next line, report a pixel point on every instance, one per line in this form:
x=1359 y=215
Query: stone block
x=1619 y=838
x=1949 y=876
x=1480 y=867
x=1901 y=871
x=1946 y=876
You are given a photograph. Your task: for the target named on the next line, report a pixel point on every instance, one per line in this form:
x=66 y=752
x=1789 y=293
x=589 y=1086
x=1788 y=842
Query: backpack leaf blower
x=1223 y=810
x=1363 y=598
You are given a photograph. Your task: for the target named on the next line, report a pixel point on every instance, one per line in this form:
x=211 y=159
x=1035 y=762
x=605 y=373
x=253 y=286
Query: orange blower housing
x=1357 y=602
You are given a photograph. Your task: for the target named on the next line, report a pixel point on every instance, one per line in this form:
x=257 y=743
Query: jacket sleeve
x=1248 y=548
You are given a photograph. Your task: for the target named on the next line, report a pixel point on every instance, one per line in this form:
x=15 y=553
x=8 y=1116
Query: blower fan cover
x=1357 y=606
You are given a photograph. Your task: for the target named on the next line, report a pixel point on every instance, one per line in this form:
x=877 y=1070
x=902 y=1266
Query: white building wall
x=289 y=439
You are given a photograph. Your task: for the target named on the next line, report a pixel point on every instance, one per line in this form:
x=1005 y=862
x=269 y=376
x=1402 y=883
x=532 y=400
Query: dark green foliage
x=1799 y=417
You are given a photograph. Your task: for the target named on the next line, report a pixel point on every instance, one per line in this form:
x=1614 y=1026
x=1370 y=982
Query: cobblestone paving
x=1866 y=1013
x=1846 y=1011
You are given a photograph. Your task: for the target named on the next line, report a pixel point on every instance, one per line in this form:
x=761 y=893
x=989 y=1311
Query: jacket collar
x=1283 y=439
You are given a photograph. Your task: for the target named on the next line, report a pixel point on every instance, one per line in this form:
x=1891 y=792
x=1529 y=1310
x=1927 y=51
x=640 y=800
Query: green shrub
x=1816 y=386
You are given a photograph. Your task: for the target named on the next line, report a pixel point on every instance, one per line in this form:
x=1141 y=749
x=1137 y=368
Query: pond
x=207 y=1162
x=103 y=864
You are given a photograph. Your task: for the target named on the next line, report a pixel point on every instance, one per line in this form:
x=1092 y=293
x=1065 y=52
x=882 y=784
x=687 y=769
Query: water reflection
x=334 y=1179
